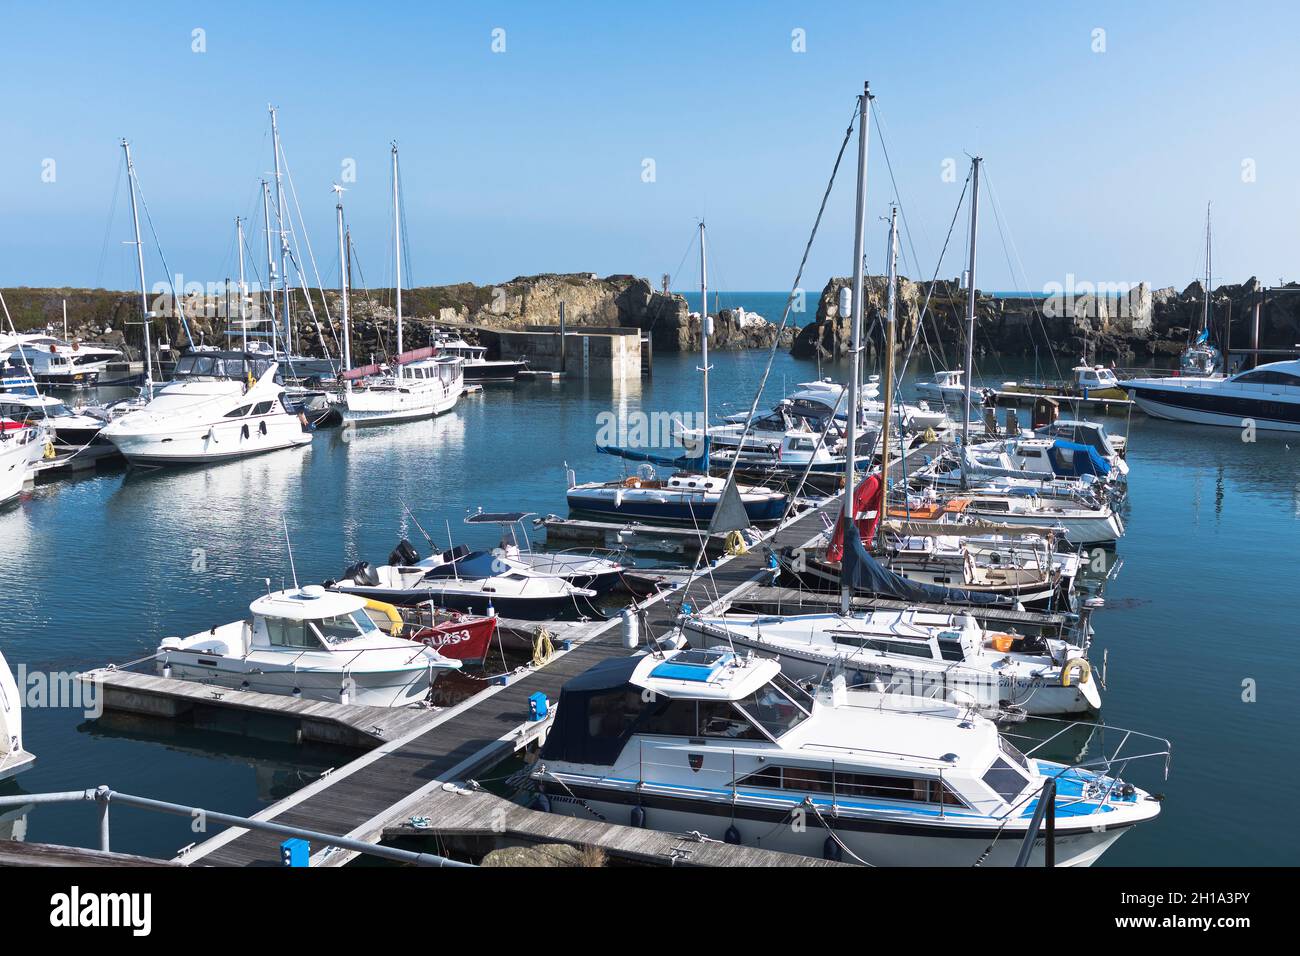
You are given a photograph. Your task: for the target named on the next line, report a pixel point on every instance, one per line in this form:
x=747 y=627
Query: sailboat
x=690 y=494
x=1201 y=358
x=419 y=383
x=13 y=758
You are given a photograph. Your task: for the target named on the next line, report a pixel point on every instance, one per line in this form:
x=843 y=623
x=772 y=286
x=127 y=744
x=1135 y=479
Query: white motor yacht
x=1266 y=398
x=13 y=757
x=310 y=643
x=22 y=448
x=724 y=745
x=218 y=406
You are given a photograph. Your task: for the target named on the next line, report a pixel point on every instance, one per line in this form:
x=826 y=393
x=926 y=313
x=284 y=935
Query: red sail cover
x=414 y=355
x=353 y=374
x=866 y=495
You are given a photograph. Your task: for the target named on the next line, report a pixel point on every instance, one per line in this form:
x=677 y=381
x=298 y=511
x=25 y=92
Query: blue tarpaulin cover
x=692 y=463
x=1083 y=461
x=860 y=571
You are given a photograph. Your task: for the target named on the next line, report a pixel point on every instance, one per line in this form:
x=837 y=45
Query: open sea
x=99 y=568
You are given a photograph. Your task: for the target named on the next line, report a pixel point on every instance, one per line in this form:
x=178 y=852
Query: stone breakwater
x=1129 y=325
x=102 y=315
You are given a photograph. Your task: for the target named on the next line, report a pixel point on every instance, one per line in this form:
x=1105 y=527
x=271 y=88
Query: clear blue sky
x=531 y=160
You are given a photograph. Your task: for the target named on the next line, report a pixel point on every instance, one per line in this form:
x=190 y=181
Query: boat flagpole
x=859 y=229
x=139 y=259
x=890 y=331
x=284 y=236
x=970 y=310
x=343 y=290
x=397 y=255
x=270 y=261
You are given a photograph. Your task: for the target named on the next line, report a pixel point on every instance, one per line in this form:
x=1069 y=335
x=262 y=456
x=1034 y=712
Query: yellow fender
x=390 y=612
x=736 y=543
x=1085 y=670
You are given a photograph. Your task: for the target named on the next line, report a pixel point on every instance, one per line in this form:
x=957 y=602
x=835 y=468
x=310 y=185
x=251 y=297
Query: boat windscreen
x=772 y=710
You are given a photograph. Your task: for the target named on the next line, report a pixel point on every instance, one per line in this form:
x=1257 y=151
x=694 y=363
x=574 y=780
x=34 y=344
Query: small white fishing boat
x=13 y=757
x=724 y=745
x=599 y=571
x=218 y=406
x=921 y=652
x=946 y=386
x=309 y=643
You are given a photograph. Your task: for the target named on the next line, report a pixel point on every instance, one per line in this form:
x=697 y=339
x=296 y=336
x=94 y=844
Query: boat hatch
x=695 y=665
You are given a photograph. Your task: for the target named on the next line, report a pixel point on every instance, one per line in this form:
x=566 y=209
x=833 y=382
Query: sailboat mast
x=397 y=253
x=270 y=260
x=970 y=304
x=343 y=288
x=139 y=259
x=859 y=239
x=889 y=372
x=284 y=236
x=243 y=292
x=1205 y=311
x=704 y=339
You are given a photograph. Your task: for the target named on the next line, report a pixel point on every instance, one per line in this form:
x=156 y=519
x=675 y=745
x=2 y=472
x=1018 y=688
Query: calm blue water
x=98 y=569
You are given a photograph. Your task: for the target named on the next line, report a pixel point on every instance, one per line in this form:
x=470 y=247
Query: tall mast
x=243 y=292
x=1205 y=311
x=397 y=247
x=704 y=339
x=270 y=259
x=889 y=372
x=970 y=305
x=284 y=236
x=139 y=258
x=859 y=228
x=343 y=288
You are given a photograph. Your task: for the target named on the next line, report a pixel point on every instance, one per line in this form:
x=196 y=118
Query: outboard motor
x=403 y=554
x=363 y=574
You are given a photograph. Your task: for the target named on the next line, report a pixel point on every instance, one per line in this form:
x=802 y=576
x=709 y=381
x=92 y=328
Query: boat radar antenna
x=289 y=545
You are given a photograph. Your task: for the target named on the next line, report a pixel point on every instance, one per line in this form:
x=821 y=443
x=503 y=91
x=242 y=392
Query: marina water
x=1197 y=626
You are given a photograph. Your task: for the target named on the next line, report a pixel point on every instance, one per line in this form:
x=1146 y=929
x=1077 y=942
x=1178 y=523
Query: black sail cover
x=861 y=572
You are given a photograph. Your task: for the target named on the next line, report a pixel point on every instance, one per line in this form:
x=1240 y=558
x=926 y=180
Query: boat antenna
x=289 y=545
x=416 y=520
x=970 y=313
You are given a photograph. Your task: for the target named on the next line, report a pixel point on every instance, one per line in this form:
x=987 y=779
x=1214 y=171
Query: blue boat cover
x=476 y=564
x=860 y=571
x=692 y=463
x=1083 y=461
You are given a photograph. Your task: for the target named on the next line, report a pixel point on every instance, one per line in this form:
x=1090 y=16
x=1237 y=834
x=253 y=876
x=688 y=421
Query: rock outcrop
x=618 y=300
x=1124 y=324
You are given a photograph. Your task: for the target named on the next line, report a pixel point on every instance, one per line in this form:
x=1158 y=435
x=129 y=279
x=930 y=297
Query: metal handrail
x=104 y=797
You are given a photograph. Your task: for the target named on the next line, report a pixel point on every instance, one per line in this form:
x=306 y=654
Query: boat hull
x=467 y=641
x=1201 y=409
x=216 y=442
x=472 y=602
x=667 y=506
x=883 y=842
x=383 y=688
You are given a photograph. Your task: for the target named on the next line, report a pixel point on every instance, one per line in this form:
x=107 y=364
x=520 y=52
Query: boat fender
x=262 y=426
x=732 y=835
x=243 y=432
x=390 y=612
x=831 y=850
x=638 y=816
x=1085 y=670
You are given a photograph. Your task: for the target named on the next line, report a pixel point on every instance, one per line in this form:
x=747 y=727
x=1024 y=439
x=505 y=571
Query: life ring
x=390 y=612
x=1085 y=670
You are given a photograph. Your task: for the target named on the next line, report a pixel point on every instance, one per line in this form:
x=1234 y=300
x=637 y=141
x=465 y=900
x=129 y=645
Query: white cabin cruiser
x=13 y=758
x=219 y=406
x=1267 y=396
x=946 y=386
x=477 y=582
x=682 y=497
x=727 y=746
x=922 y=652
x=600 y=572
x=310 y=643
x=478 y=367
x=59 y=364
x=22 y=448
x=421 y=388
x=72 y=429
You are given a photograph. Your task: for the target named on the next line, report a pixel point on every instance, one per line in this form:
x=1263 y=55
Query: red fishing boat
x=464 y=637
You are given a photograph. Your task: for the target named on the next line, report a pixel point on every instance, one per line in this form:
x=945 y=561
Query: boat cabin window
x=852 y=785
x=344 y=627
x=993 y=504
x=610 y=716
x=1268 y=377
x=794 y=691
x=1004 y=780
x=772 y=710
x=284 y=632
x=263 y=407
x=950 y=648
x=720 y=718
x=239 y=412
x=907 y=648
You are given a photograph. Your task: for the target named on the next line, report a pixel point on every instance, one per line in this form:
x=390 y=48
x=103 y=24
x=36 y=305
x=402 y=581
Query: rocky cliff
x=1129 y=326
x=619 y=300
